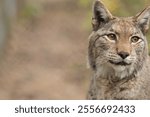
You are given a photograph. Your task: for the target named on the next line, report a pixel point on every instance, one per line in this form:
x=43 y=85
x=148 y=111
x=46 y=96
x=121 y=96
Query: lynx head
x=118 y=44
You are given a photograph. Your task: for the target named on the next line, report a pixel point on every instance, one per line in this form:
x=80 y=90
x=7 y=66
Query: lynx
x=118 y=55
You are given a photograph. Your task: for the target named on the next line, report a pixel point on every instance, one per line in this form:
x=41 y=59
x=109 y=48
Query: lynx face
x=118 y=45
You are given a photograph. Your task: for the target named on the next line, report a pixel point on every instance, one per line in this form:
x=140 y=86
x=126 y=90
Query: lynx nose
x=123 y=55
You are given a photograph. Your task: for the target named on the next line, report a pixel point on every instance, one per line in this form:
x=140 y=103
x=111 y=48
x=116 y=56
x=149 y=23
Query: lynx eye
x=112 y=37
x=135 y=39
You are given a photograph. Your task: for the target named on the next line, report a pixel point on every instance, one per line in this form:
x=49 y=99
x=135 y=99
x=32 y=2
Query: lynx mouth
x=122 y=63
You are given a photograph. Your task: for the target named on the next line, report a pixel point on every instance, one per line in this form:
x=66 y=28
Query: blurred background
x=43 y=46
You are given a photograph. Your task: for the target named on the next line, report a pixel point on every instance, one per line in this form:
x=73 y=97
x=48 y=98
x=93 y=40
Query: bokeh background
x=43 y=46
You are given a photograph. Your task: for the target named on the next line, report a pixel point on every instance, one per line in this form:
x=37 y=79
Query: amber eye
x=112 y=37
x=135 y=39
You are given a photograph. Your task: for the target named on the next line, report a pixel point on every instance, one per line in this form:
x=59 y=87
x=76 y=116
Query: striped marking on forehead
x=124 y=27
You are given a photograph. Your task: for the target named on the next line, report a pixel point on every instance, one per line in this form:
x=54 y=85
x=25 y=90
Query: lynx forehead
x=124 y=27
x=118 y=55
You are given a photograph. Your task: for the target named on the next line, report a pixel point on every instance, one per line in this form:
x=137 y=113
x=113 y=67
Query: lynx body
x=118 y=55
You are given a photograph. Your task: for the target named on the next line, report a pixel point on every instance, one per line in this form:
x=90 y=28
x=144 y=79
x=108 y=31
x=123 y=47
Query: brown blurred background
x=43 y=46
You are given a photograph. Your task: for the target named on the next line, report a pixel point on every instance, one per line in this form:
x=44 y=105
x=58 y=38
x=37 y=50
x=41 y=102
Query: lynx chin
x=118 y=55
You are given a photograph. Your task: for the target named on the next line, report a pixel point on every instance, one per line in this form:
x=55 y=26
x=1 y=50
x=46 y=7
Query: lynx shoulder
x=118 y=55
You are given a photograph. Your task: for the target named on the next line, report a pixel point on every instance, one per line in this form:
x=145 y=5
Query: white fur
x=110 y=70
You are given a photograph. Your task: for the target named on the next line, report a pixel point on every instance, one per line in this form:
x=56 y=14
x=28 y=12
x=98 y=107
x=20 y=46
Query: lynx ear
x=143 y=19
x=101 y=15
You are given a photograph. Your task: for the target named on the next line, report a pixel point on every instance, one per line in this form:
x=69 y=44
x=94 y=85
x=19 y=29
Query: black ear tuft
x=101 y=14
x=143 y=19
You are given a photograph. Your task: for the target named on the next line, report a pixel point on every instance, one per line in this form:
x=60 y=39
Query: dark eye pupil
x=111 y=36
x=134 y=39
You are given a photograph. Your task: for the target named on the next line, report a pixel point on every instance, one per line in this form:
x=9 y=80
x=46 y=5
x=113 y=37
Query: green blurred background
x=43 y=46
